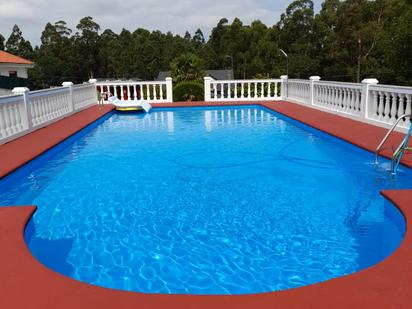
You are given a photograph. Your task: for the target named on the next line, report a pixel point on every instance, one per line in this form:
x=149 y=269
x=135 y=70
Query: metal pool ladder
x=400 y=151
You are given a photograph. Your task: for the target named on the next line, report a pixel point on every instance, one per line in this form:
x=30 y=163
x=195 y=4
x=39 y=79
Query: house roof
x=215 y=74
x=6 y=57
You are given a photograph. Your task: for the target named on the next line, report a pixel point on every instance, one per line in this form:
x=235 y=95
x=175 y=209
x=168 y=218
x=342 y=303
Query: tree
x=375 y=36
x=87 y=45
x=187 y=67
x=198 y=38
x=296 y=28
x=2 y=39
x=17 y=45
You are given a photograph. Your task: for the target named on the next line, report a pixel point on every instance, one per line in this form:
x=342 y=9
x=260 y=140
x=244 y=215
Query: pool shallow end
x=27 y=283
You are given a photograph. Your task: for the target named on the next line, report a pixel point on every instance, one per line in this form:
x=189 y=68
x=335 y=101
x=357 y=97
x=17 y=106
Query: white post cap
x=92 y=81
x=314 y=78
x=371 y=81
x=67 y=84
x=283 y=77
x=20 y=90
x=169 y=79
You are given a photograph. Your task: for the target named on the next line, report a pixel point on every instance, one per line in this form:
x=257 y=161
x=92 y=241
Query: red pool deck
x=26 y=283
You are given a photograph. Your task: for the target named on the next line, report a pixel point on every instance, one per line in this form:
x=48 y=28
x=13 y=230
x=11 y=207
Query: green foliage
x=2 y=39
x=188 y=91
x=374 y=35
x=17 y=45
x=187 y=67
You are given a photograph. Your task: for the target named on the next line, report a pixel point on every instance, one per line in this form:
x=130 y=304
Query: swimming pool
x=207 y=201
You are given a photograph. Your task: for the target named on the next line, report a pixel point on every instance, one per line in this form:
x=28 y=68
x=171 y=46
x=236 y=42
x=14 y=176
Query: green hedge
x=188 y=91
x=9 y=82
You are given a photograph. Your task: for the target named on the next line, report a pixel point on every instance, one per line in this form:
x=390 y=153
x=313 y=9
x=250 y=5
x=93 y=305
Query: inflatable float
x=130 y=106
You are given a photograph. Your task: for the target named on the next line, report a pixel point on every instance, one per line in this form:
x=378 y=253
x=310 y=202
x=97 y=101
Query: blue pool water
x=207 y=201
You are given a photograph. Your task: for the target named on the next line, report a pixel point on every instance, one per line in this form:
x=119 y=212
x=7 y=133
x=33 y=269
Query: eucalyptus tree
x=17 y=45
x=2 y=39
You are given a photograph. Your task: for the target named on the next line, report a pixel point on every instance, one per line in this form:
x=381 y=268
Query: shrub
x=188 y=91
x=187 y=67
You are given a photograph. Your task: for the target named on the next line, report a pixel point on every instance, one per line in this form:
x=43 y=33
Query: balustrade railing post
x=313 y=79
x=365 y=95
x=24 y=91
x=94 y=81
x=71 y=100
x=284 y=87
x=169 y=89
x=207 y=80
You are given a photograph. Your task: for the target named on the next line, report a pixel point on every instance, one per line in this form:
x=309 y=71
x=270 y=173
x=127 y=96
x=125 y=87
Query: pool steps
x=403 y=146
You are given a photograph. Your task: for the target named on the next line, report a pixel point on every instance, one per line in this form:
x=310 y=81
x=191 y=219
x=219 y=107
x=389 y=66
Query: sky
x=176 y=16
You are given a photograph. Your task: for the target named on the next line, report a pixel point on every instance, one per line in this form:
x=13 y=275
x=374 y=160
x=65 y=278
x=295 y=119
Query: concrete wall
x=21 y=69
x=4 y=92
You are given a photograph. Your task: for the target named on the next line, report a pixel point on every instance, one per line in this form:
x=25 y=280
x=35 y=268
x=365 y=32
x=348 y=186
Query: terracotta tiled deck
x=25 y=283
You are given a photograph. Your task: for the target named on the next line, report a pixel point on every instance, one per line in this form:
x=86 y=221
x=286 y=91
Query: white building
x=13 y=72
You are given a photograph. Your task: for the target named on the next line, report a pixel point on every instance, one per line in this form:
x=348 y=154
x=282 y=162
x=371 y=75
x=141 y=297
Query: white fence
x=298 y=90
x=152 y=92
x=368 y=101
x=242 y=90
x=26 y=111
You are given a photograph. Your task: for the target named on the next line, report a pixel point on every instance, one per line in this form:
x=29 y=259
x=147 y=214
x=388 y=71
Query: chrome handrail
x=378 y=149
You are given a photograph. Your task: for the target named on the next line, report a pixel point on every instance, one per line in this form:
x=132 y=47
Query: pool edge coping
x=290 y=298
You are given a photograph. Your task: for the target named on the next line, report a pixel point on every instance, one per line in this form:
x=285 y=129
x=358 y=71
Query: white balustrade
x=242 y=90
x=342 y=97
x=387 y=103
x=298 y=90
x=367 y=102
x=84 y=95
x=152 y=92
x=48 y=105
x=13 y=119
x=26 y=111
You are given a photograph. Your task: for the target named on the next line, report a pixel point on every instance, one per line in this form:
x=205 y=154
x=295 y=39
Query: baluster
x=321 y=90
x=321 y=95
x=248 y=90
x=394 y=108
x=380 y=105
x=229 y=90
x=275 y=95
x=154 y=92
x=408 y=109
x=12 y=119
x=161 y=92
x=356 y=100
x=8 y=121
x=2 y=121
x=351 y=101
x=256 y=92
x=401 y=107
x=242 y=90
x=148 y=92
x=387 y=106
x=339 y=98
x=116 y=94
x=128 y=92
x=344 y=99
x=214 y=91
x=235 y=90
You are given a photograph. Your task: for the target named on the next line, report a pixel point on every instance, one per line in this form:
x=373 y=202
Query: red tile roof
x=6 y=57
